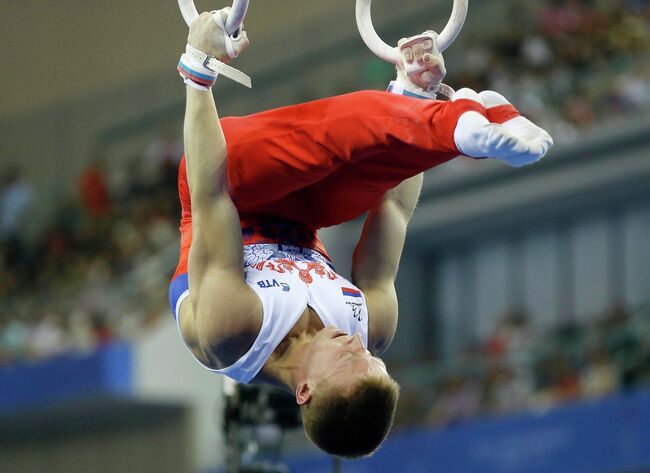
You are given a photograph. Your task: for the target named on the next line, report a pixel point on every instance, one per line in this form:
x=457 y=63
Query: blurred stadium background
x=524 y=335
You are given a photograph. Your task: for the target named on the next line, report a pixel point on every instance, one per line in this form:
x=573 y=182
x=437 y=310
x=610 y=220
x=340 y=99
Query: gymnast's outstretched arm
x=376 y=259
x=215 y=271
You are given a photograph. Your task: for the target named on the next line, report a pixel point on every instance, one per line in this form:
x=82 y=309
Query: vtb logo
x=267 y=283
x=356 y=309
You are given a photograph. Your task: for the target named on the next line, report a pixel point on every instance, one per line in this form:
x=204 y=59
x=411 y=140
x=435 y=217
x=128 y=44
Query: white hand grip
x=234 y=21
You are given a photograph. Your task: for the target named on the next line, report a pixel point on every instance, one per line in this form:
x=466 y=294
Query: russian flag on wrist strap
x=198 y=77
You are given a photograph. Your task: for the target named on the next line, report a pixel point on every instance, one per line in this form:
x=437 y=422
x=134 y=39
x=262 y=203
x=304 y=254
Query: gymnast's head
x=347 y=399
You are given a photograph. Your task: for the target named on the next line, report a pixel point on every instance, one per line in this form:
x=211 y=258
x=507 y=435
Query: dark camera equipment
x=254 y=422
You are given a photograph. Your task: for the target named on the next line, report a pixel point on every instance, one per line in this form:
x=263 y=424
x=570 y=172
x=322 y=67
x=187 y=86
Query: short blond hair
x=352 y=425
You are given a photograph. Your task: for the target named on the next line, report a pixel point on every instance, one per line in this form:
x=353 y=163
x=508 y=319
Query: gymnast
x=255 y=295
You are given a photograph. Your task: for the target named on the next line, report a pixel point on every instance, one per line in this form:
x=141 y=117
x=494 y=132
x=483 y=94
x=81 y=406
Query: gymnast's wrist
x=196 y=68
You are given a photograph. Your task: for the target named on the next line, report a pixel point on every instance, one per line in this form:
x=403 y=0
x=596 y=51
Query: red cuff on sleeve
x=502 y=113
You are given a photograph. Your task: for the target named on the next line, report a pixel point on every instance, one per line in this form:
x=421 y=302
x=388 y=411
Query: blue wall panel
x=608 y=436
x=106 y=372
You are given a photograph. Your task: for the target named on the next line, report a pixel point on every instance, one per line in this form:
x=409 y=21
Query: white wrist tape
x=216 y=66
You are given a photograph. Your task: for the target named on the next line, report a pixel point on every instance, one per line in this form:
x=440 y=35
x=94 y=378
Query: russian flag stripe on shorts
x=347 y=291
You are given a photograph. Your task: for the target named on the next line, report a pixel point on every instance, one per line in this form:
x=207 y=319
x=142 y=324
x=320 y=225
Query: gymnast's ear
x=303 y=393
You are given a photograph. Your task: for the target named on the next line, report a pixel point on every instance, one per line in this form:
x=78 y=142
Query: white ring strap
x=217 y=66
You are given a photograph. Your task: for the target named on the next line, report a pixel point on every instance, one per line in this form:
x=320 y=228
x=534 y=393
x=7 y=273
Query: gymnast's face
x=338 y=360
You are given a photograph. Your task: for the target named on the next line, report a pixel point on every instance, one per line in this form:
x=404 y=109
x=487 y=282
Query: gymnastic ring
x=234 y=21
x=391 y=54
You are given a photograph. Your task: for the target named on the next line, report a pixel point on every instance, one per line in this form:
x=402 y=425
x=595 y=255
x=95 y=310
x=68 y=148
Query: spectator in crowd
x=600 y=376
x=458 y=399
x=161 y=159
x=506 y=390
x=93 y=188
x=14 y=336
x=15 y=201
x=48 y=337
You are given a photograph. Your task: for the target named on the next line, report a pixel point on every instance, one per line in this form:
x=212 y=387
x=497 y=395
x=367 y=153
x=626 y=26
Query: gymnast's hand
x=422 y=64
x=208 y=34
x=501 y=132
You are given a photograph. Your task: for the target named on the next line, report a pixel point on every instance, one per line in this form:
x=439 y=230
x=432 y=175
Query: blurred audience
x=565 y=64
x=99 y=270
x=587 y=360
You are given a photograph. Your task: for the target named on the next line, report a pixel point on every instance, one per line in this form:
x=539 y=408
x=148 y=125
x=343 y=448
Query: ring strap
x=217 y=66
